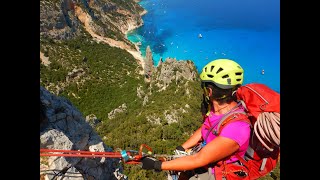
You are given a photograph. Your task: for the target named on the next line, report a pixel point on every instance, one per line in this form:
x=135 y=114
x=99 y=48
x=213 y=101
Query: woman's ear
x=209 y=91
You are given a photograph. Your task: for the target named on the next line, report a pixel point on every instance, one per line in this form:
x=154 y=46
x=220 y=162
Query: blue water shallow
x=246 y=31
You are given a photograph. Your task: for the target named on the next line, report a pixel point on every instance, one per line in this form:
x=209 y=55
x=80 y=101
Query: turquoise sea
x=246 y=31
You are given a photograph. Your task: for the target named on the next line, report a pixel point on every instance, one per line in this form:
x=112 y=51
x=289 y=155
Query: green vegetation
x=111 y=79
x=129 y=5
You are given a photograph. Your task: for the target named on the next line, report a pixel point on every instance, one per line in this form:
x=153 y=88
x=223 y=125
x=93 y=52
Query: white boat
x=200 y=36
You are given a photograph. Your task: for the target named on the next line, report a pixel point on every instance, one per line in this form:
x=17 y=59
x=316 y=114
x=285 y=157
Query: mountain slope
x=80 y=61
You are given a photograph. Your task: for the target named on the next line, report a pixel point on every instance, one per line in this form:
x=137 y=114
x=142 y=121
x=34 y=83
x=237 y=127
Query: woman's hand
x=149 y=163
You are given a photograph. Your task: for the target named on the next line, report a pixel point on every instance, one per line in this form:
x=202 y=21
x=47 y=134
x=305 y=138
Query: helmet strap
x=207 y=92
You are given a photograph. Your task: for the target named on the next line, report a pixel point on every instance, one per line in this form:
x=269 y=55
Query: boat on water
x=200 y=36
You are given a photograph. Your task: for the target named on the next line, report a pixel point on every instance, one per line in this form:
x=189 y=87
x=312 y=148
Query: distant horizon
x=247 y=32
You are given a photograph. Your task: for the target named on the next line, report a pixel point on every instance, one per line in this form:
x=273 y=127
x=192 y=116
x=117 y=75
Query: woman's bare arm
x=193 y=140
x=214 y=151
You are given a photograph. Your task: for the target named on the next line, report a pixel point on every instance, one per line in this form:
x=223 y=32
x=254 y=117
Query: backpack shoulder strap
x=233 y=116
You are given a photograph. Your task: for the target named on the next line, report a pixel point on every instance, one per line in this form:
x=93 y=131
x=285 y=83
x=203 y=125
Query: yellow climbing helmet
x=224 y=73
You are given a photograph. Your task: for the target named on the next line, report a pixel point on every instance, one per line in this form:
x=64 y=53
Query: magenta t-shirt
x=238 y=131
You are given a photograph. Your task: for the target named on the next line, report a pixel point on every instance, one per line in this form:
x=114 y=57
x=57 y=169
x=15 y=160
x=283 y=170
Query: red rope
x=83 y=155
x=75 y=153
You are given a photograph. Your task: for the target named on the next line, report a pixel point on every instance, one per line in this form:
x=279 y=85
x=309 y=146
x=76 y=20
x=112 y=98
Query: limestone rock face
x=173 y=70
x=148 y=63
x=62 y=126
x=59 y=19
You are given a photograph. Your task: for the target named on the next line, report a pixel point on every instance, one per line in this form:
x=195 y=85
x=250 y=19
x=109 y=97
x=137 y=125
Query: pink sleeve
x=238 y=131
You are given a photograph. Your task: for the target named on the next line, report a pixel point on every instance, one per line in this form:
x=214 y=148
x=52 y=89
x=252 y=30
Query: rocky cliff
x=105 y=21
x=62 y=126
x=59 y=18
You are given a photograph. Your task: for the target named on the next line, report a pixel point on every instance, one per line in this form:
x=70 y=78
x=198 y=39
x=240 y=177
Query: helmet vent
x=238 y=73
x=211 y=68
x=225 y=76
x=238 y=79
x=219 y=70
x=210 y=76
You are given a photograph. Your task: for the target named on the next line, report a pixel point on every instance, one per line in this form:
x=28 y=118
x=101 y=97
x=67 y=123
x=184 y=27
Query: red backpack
x=262 y=106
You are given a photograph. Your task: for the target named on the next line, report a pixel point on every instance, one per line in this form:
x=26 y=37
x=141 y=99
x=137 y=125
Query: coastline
x=132 y=27
x=136 y=54
x=86 y=20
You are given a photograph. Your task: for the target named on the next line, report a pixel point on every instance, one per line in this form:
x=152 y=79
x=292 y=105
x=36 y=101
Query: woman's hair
x=222 y=95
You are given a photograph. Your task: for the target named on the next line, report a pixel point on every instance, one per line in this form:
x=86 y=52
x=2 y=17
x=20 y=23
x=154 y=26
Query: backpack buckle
x=215 y=132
